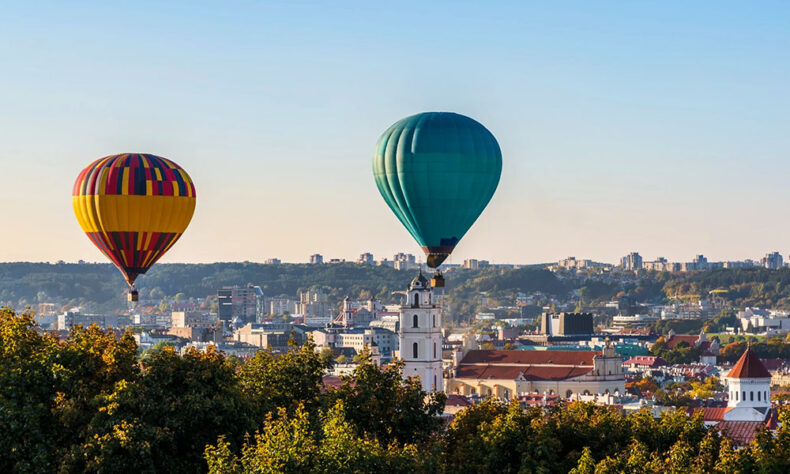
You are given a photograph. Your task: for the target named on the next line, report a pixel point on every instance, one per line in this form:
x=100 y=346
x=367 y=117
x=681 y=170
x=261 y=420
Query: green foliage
x=681 y=353
x=381 y=405
x=86 y=404
x=288 y=444
x=272 y=382
x=49 y=390
x=179 y=404
x=745 y=287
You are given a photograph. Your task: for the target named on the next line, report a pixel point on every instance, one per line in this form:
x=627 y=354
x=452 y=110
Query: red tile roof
x=532 y=365
x=649 y=361
x=457 y=400
x=511 y=372
x=749 y=367
x=740 y=432
x=773 y=364
x=503 y=357
x=710 y=413
x=332 y=381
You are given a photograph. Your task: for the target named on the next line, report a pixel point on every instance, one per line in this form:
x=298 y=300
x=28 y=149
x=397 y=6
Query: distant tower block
x=421 y=335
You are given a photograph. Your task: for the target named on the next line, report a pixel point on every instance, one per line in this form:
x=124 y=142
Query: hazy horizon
x=657 y=128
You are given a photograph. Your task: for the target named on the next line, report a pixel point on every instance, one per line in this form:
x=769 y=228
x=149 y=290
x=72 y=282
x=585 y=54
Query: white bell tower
x=420 y=335
x=749 y=386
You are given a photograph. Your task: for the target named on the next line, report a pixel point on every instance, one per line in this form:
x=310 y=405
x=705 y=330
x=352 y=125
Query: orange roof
x=749 y=367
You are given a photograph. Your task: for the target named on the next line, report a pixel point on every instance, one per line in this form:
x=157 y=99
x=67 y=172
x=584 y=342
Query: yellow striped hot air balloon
x=133 y=207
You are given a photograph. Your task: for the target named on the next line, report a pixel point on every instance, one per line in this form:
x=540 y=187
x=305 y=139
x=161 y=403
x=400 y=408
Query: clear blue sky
x=662 y=127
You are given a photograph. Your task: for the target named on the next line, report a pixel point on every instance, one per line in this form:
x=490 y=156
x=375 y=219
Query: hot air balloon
x=133 y=207
x=437 y=171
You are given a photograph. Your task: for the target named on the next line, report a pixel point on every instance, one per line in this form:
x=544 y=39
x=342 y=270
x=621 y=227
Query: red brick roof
x=749 y=367
x=530 y=357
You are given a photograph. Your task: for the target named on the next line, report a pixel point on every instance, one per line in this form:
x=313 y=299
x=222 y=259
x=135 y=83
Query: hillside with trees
x=100 y=287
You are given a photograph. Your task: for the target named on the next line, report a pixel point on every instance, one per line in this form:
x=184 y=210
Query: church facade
x=507 y=374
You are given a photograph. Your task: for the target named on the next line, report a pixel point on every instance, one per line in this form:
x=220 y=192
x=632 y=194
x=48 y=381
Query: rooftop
x=749 y=367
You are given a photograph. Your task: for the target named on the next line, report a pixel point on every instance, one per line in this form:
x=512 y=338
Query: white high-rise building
x=420 y=337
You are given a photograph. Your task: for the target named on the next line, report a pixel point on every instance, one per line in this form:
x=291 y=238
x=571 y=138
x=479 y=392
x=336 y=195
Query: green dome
x=437 y=171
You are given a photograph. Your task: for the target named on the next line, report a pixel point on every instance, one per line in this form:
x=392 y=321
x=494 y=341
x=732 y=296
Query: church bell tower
x=420 y=335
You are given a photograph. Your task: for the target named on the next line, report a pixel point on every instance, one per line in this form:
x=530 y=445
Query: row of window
x=416 y=321
x=416 y=350
x=761 y=396
x=506 y=393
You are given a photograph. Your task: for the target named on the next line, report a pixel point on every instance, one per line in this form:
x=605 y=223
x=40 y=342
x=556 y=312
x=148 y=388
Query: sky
x=658 y=127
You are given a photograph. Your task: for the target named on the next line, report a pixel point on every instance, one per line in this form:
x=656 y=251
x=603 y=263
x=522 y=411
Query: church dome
x=419 y=281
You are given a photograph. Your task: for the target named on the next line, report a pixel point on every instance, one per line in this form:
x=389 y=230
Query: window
x=414 y=349
x=434 y=350
x=414 y=323
x=743 y=397
x=434 y=320
x=751 y=396
x=568 y=394
x=416 y=299
x=736 y=396
x=434 y=382
x=759 y=394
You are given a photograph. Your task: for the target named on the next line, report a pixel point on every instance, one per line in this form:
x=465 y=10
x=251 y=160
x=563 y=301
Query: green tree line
x=90 y=404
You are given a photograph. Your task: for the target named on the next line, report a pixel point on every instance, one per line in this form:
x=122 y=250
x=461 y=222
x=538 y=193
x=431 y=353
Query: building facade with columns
x=507 y=374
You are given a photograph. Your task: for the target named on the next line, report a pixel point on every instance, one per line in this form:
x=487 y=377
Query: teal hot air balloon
x=437 y=171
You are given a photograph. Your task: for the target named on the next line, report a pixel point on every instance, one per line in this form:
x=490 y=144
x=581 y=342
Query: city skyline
x=618 y=123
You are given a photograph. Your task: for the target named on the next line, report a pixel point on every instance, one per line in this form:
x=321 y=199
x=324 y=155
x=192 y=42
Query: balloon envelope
x=437 y=171
x=133 y=207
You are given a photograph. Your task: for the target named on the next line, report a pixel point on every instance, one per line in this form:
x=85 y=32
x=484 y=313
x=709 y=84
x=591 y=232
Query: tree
x=586 y=464
x=289 y=444
x=379 y=403
x=27 y=395
x=272 y=381
x=179 y=405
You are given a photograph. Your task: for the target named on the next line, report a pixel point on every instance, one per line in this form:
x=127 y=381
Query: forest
x=93 y=403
